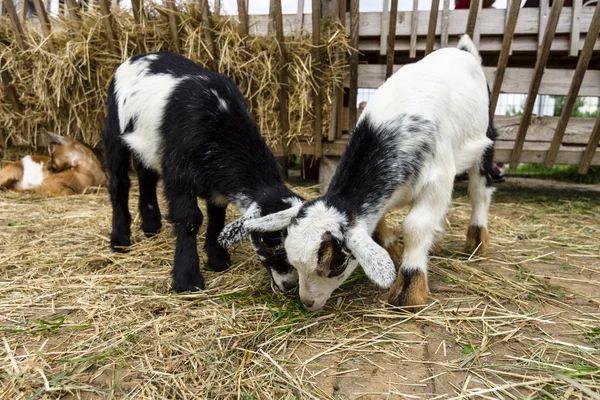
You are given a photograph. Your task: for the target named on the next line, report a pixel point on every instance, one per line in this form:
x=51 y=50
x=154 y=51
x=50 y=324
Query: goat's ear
x=273 y=222
x=375 y=261
x=235 y=232
x=54 y=138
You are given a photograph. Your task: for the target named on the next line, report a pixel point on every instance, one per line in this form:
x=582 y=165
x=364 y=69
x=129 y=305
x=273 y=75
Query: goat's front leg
x=419 y=230
x=218 y=256
x=385 y=237
x=186 y=217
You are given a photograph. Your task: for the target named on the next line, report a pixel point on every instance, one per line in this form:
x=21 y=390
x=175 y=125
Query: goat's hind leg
x=385 y=237
x=480 y=191
x=148 y=203
x=218 y=256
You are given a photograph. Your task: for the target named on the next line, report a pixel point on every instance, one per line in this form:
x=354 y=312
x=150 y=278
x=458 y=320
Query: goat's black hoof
x=120 y=243
x=218 y=259
x=193 y=283
x=151 y=229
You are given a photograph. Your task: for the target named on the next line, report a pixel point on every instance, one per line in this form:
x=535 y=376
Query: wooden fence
x=534 y=51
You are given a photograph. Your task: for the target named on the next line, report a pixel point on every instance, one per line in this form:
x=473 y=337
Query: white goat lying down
x=428 y=122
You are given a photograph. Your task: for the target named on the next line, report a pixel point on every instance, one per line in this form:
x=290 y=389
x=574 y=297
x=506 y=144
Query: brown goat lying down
x=71 y=168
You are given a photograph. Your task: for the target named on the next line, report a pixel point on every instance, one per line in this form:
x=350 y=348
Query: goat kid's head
x=65 y=153
x=324 y=248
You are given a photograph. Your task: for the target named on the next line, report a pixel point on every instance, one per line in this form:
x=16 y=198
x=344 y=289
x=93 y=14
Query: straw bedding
x=77 y=321
x=62 y=80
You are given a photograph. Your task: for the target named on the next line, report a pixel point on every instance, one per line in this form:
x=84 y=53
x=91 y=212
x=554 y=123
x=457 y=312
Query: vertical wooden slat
x=138 y=13
x=208 y=35
x=543 y=20
x=174 y=25
x=385 y=26
x=11 y=93
x=334 y=11
x=472 y=18
x=24 y=10
x=582 y=65
x=2 y=9
x=107 y=22
x=14 y=20
x=477 y=31
x=445 y=24
x=136 y=6
x=72 y=8
x=575 y=30
x=353 y=94
x=243 y=17
x=340 y=90
x=283 y=78
x=391 y=41
x=300 y=14
x=509 y=33
x=506 y=18
x=433 y=14
x=414 y=26
x=318 y=97
x=534 y=85
x=590 y=150
x=49 y=7
x=43 y=17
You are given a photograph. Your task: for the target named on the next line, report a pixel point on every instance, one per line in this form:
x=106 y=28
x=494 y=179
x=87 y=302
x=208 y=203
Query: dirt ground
x=522 y=321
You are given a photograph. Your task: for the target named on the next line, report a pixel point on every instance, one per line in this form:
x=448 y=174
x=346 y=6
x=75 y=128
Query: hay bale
x=62 y=80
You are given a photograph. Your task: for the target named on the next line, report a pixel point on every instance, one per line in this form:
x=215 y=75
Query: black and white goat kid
x=428 y=122
x=193 y=127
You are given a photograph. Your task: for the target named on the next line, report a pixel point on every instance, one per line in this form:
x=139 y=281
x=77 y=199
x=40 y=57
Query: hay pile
x=78 y=321
x=62 y=80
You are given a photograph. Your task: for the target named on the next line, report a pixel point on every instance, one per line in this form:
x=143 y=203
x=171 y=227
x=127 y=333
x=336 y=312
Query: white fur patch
x=374 y=259
x=272 y=222
x=142 y=97
x=33 y=174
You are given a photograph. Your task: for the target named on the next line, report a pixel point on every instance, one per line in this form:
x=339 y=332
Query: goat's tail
x=466 y=44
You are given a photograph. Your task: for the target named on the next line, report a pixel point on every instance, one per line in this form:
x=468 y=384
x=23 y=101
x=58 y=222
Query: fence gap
x=534 y=85
x=582 y=65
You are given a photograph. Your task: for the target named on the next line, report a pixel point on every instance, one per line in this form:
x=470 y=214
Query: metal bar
x=582 y=65
x=391 y=41
x=433 y=14
x=505 y=52
x=534 y=86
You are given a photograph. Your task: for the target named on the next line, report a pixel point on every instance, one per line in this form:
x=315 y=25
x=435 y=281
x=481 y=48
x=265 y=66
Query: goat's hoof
x=219 y=264
x=120 y=243
x=409 y=291
x=477 y=240
x=151 y=229
x=394 y=249
x=190 y=285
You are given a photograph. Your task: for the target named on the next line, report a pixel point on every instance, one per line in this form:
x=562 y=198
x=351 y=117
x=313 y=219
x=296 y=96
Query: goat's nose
x=307 y=303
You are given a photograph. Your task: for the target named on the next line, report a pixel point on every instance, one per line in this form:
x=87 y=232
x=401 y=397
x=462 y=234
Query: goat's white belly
x=33 y=174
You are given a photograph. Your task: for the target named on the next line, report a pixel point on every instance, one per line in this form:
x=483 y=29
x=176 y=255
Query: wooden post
x=534 y=85
x=543 y=20
x=433 y=14
x=107 y=22
x=339 y=99
x=16 y=24
x=24 y=10
x=391 y=41
x=582 y=65
x=174 y=25
x=414 y=28
x=477 y=32
x=283 y=79
x=575 y=31
x=44 y=21
x=208 y=35
x=590 y=150
x=72 y=8
x=243 y=17
x=385 y=26
x=472 y=18
x=300 y=14
x=11 y=93
x=353 y=63
x=509 y=33
x=138 y=13
x=318 y=97
x=445 y=24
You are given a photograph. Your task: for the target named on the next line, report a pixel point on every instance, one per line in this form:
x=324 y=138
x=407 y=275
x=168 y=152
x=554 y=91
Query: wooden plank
x=243 y=17
x=590 y=150
x=72 y=8
x=534 y=86
x=283 y=77
x=24 y=10
x=433 y=17
x=385 y=27
x=472 y=18
x=208 y=35
x=138 y=14
x=504 y=53
x=508 y=4
x=391 y=39
x=16 y=24
x=318 y=97
x=43 y=17
x=107 y=22
x=582 y=65
x=340 y=90
x=477 y=33
x=174 y=25
x=300 y=14
x=445 y=23
x=137 y=8
x=353 y=94
x=543 y=20
x=555 y=82
x=414 y=26
x=575 y=20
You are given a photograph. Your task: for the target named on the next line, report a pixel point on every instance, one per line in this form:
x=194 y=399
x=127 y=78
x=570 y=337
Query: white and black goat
x=193 y=127
x=428 y=122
